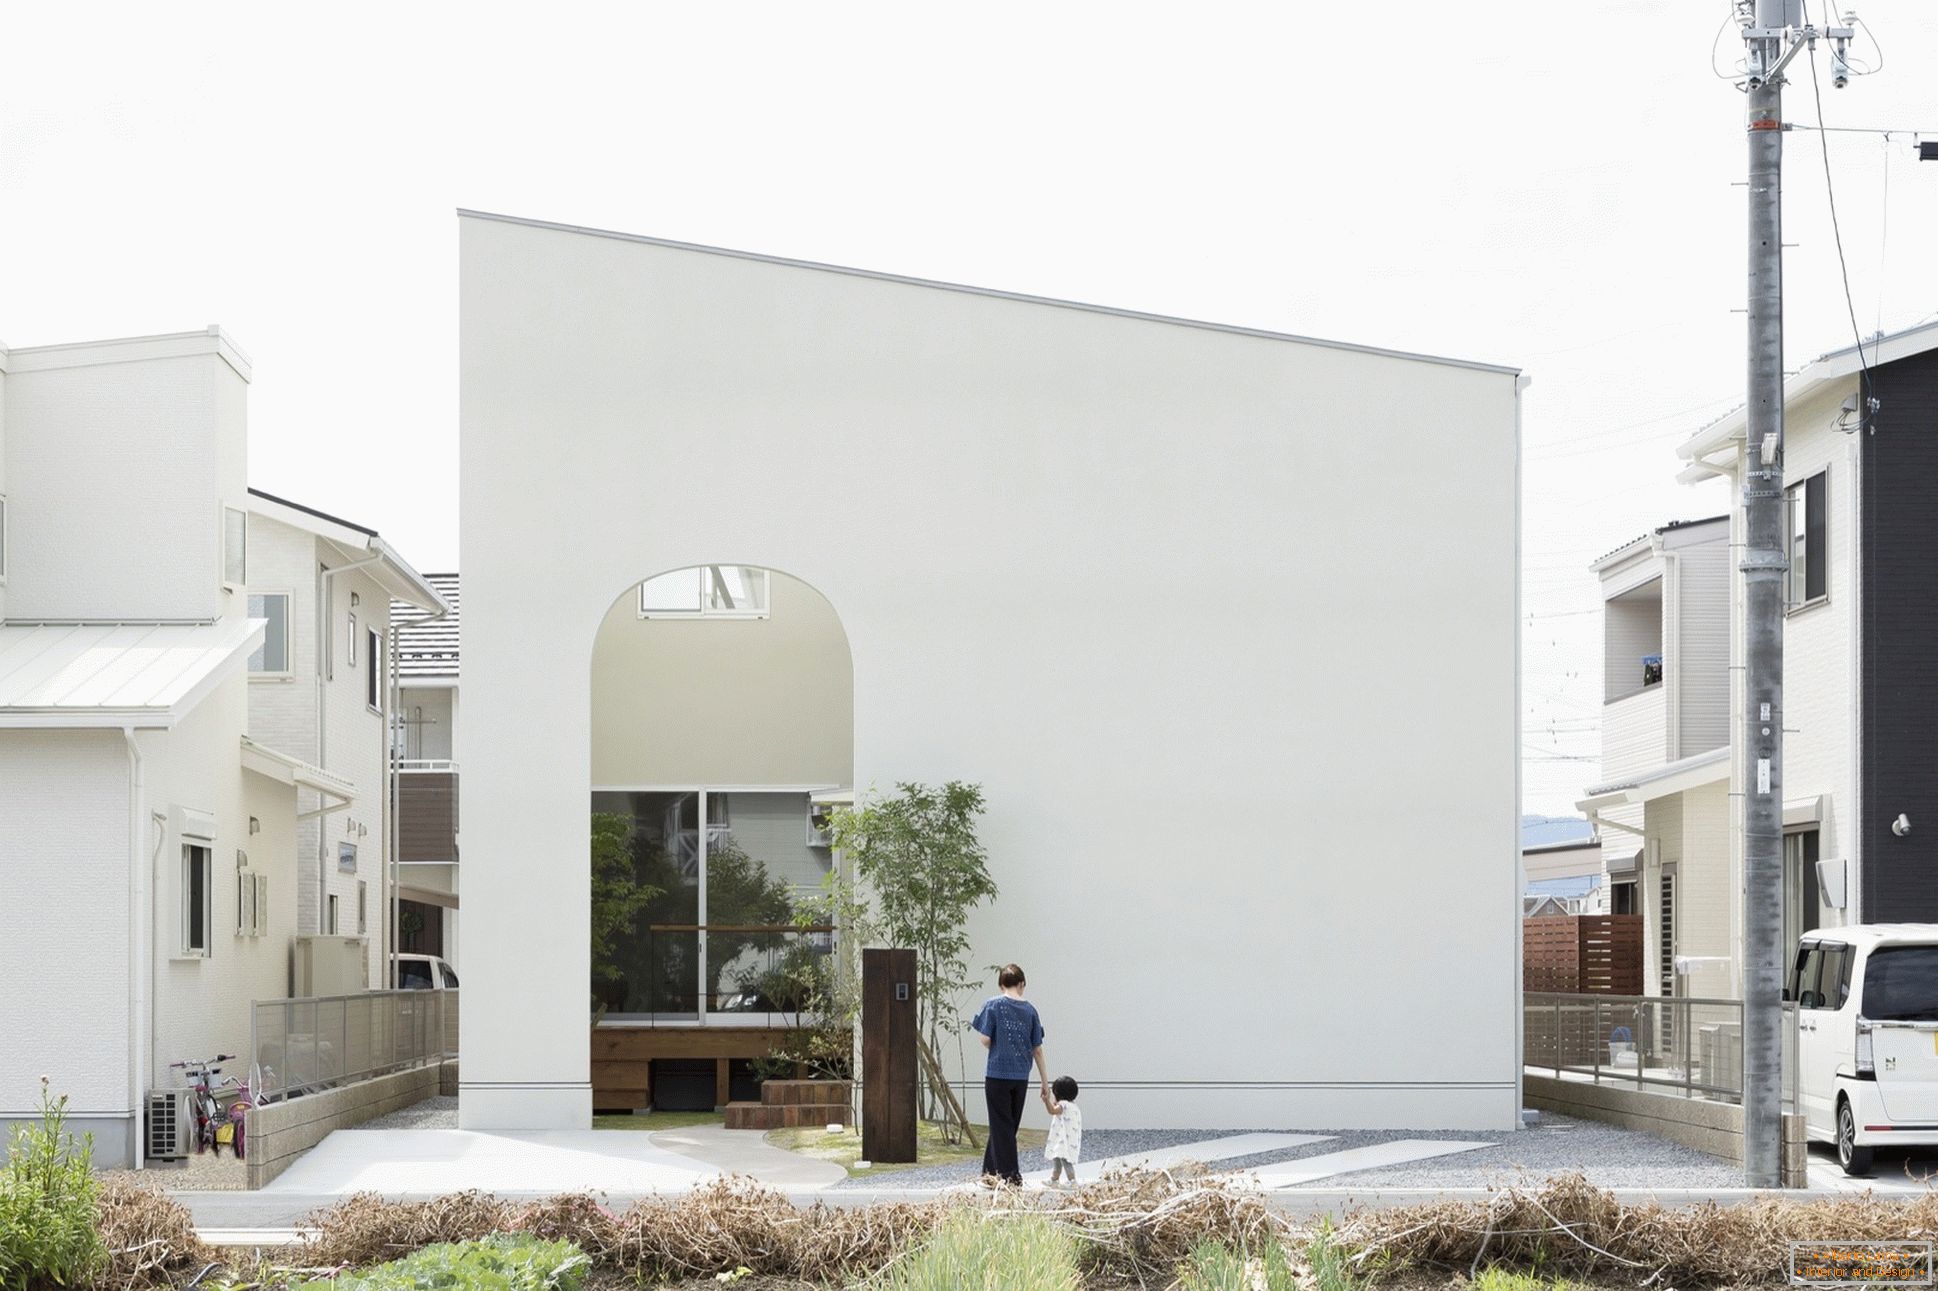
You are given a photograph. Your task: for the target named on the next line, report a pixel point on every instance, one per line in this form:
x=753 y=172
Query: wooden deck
x=622 y=1057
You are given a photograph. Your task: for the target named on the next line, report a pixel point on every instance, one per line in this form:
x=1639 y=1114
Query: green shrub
x=1499 y=1279
x=1330 y=1269
x=970 y=1253
x=48 y=1235
x=1214 y=1266
x=501 y=1262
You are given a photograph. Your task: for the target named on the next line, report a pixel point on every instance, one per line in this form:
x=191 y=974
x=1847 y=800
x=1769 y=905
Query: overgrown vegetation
x=49 y=1230
x=973 y=1252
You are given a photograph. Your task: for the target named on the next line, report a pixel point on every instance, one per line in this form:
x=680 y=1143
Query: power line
x=1830 y=194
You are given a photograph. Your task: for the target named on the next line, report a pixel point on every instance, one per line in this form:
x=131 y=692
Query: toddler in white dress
x=1065 y=1142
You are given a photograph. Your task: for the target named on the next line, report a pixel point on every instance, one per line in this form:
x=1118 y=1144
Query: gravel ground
x=435 y=1113
x=1610 y=1157
x=205 y=1172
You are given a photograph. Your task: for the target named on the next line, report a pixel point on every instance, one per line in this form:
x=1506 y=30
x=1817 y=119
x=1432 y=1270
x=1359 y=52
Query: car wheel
x=1855 y=1160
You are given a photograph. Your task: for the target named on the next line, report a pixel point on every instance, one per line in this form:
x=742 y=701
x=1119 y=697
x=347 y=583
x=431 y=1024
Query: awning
x=1622 y=860
x=148 y=675
x=427 y=896
x=288 y=770
x=1670 y=778
x=1804 y=813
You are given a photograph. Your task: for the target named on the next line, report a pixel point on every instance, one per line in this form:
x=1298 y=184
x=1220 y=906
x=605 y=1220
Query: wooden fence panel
x=1582 y=953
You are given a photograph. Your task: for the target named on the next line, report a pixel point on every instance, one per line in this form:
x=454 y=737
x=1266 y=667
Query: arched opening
x=722 y=725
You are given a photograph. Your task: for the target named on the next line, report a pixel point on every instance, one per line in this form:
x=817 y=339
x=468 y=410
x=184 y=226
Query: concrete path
x=748 y=1152
x=1210 y=1150
x=436 y=1161
x=1376 y=1157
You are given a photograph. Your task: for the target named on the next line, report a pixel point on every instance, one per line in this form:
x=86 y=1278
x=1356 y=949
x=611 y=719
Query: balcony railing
x=297 y=1046
x=1689 y=1046
x=427 y=810
x=759 y=975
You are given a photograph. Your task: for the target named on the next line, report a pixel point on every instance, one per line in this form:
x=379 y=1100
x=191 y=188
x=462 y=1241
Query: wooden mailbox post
x=888 y=1062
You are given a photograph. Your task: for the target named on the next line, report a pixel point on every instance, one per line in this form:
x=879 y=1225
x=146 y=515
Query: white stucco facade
x=1223 y=622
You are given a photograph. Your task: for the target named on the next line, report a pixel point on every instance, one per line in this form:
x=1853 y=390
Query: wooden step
x=822 y=1092
x=774 y=1116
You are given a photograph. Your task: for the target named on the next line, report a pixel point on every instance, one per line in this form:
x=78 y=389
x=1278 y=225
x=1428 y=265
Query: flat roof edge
x=1020 y=297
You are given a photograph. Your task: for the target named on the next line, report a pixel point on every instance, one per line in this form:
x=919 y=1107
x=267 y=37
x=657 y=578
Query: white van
x=1867 y=1037
x=424 y=973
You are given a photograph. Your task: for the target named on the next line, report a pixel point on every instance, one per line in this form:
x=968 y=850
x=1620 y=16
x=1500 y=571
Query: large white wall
x=1223 y=623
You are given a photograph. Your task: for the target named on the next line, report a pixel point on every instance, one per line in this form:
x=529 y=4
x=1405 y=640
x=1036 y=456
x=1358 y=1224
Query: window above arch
x=706 y=592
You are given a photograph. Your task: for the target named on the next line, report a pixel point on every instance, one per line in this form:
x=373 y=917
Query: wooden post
x=888 y=1062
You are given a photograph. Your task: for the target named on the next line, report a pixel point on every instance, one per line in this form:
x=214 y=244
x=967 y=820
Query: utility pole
x=1775 y=35
x=1764 y=564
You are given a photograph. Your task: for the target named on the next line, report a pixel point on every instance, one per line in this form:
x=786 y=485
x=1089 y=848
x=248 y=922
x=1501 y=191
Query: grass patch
x=973 y=1253
x=501 y=1262
x=1214 y=1266
x=844 y=1149
x=651 y=1121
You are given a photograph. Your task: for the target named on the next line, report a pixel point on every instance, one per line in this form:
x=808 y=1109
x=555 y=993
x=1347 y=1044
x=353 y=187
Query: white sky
x=1529 y=182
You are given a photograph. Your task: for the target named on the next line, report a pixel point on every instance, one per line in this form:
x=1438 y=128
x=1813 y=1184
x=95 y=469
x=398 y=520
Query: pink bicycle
x=219 y=1114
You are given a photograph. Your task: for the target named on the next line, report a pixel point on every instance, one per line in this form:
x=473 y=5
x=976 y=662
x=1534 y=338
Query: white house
x=320 y=690
x=1224 y=622
x=1663 y=805
x=147 y=860
x=158 y=804
x=1859 y=781
x=427 y=784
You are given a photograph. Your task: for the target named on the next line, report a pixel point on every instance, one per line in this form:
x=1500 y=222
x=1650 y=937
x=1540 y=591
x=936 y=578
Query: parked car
x=1867 y=1037
x=424 y=973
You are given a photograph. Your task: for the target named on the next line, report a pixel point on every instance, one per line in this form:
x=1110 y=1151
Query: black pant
x=1005 y=1114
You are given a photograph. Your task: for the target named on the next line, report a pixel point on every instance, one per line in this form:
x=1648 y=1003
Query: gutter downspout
x=137 y=943
x=325 y=671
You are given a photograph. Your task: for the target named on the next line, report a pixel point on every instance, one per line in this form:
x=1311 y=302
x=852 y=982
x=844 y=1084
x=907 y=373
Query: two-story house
x=320 y=689
x=1859 y=779
x=1663 y=804
x=427 y=773
x=147 y=844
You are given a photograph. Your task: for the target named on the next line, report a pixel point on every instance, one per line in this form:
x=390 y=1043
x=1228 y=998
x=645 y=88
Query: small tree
x=919 y=859
x=617 y=893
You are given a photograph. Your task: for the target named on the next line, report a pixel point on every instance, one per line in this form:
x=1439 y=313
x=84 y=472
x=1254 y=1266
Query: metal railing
x=299 y=1046
x=1688 y=1046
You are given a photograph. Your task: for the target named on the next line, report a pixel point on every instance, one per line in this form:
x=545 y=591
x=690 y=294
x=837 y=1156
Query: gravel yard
x=438 y=1112
x=1610 y=1157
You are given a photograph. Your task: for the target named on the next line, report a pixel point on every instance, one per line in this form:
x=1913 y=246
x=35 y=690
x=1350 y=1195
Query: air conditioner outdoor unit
x=171 y=1124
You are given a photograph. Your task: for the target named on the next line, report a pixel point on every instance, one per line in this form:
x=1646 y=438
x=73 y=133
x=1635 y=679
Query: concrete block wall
x=281 y=1132
x=1715 y=1128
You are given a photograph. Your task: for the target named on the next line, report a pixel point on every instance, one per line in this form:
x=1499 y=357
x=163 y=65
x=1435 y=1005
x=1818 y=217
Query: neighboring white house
x=1859 y=780
x=1663 y=804
x=147 y=854
x=319 y=690
x=1223 y=621
x=427 y=784
x=165 y=792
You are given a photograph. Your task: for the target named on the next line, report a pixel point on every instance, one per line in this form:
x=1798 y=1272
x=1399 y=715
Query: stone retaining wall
x=1715 y=1128
x=280 y=1132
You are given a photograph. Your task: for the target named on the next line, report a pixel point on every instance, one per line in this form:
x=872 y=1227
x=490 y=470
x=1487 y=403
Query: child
x=1065 y=1141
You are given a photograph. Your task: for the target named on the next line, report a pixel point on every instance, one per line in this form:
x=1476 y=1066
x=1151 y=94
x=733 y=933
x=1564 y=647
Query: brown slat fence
x=1599 y=954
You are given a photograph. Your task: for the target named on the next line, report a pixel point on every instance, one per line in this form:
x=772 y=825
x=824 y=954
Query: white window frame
x=289 y=637
x=363 y=908
x=235 y=580
x=262 y=905
x=245 y=897
x=3 y=540
x=330 y=913
x=704 y=612
x=352 y=857
x=1795 y=545
x=351 y=648
x=198 y=855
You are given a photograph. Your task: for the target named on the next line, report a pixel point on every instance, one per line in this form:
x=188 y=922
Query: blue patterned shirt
x=1014 y=1031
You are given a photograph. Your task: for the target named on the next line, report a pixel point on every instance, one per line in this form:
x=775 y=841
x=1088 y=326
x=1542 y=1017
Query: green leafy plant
x=618 y=894
x=1214 y=1266
x=501 y=1262
x=923 y=870
x=1331 y=1262
x=971 y=1253
x=49 y=1236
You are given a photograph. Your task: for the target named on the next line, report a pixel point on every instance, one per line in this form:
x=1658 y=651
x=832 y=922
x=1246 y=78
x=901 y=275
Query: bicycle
x=216 y=1124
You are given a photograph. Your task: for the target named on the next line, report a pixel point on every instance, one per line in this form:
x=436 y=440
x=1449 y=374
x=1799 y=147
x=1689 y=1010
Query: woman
x=1013 y=1034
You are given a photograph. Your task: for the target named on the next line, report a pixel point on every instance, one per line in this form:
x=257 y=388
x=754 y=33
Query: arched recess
x=722 y=729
